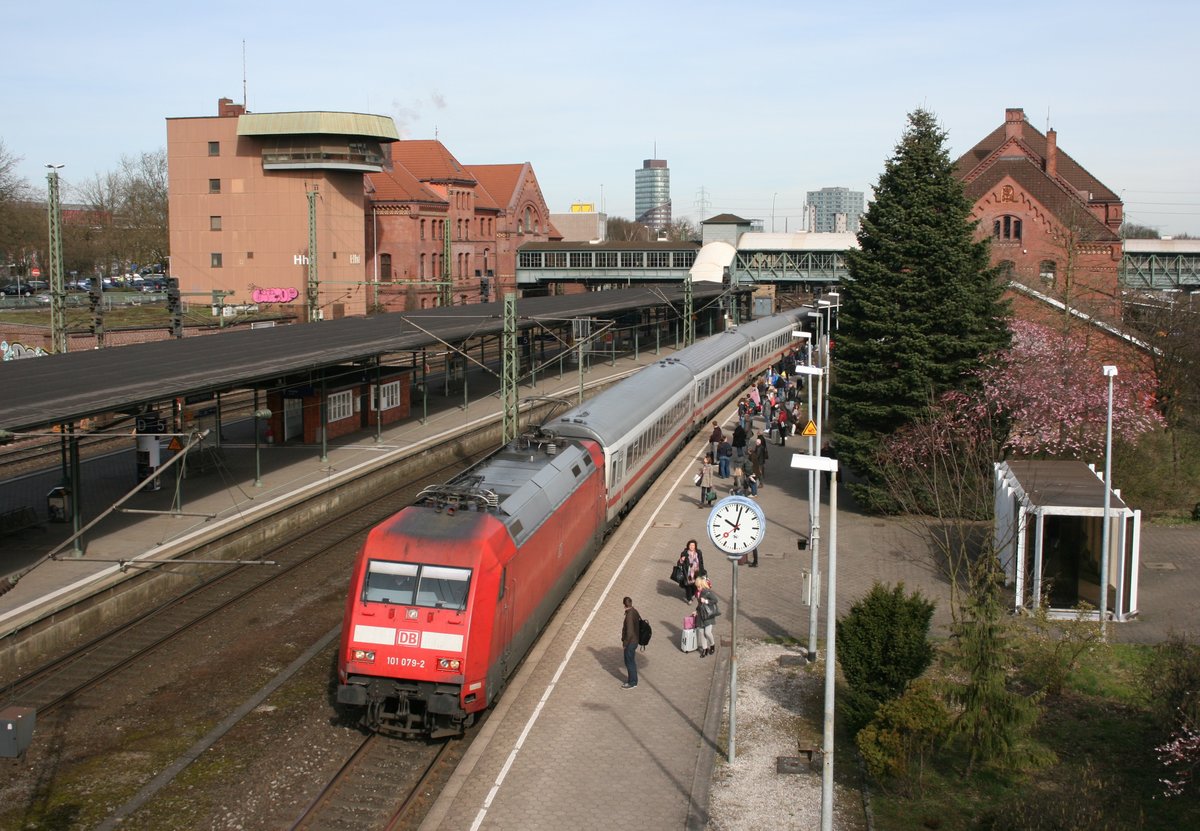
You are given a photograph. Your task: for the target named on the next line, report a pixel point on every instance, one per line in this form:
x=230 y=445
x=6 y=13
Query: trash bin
x=802 y=543
x=58 y=504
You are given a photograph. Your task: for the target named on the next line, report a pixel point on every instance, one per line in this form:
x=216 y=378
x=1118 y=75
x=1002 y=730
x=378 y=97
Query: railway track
x=367 y=790
x=64 y=676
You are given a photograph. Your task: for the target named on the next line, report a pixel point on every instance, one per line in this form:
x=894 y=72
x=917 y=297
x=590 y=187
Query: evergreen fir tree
x=922 y=306
x=993 y=721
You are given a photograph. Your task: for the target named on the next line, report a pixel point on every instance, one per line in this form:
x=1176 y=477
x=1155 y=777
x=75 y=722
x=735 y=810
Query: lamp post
x=820 y=463
x=814 y=515
x=1110 y=372
x=837 y=305
x=259 y=414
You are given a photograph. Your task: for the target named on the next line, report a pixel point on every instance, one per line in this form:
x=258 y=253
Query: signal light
x=363 y=656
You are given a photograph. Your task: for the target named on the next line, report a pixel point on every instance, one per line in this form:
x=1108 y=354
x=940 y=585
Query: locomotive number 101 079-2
x=406 y=662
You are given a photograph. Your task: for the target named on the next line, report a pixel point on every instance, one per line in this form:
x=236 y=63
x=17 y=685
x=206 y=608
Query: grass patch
x=1105 y=774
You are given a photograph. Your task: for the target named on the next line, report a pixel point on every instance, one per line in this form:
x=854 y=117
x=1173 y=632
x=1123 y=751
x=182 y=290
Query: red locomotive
x=449 y=594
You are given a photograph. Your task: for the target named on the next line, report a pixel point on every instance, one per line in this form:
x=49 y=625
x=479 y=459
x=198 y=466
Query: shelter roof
x=1070 y=485
x=57 y=389
x=801 y=241
x=725 y=219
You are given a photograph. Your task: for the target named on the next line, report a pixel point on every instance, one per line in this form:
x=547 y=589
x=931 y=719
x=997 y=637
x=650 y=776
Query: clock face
x=737 y=525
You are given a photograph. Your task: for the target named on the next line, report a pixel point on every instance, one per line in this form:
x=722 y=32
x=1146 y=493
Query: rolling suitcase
x=687 y=640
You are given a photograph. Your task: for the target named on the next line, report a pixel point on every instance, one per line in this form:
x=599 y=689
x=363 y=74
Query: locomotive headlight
x=366 y=656
x=449 y=664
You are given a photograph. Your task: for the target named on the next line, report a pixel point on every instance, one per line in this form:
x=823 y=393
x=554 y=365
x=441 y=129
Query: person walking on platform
x=758 y=457
x=706 y=615
x=692 y=561
x=704 y=478
x=629 y=642
x=714 y=439
x=739 y=444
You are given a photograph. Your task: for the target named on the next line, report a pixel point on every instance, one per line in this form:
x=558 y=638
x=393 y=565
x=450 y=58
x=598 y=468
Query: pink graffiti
x=283 y=295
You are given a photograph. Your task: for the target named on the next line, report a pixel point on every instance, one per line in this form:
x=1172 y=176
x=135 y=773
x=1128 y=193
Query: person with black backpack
x=630 y=634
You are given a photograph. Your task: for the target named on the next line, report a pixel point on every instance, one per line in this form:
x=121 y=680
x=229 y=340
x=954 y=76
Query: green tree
x=883 y=644
x=992 y=720
x=921 y=308
x=903 y=733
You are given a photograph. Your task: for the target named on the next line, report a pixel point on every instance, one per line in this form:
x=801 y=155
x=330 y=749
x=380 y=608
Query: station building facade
x=239 y=192
x=1054 y=226
x=394 y=224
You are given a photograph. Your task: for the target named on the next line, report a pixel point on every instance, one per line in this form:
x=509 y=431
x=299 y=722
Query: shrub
x=882 y=644
x=1172 y=683
x=895 y=744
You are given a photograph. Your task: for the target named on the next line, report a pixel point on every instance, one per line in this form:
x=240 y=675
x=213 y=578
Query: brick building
x=239 y=188
x=433 y=218
x=1054 y=226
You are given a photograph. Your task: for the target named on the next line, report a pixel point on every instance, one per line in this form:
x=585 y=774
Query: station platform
x=568 y=747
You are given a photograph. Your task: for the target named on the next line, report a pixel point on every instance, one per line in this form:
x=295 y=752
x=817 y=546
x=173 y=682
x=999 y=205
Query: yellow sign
x=583 y=207
x=176 y=445
x=810 y=429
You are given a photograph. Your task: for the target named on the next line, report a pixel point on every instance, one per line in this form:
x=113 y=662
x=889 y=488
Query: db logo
x=281 y=295
x=405 y=637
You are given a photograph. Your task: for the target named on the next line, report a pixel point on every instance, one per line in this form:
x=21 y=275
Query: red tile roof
x=1053 y=196
x=398 y=185
x=501 y=181
x=429 y=161
x=1033 y=143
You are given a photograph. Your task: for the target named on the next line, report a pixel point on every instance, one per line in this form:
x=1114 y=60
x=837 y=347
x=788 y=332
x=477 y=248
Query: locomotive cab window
x=410 y=584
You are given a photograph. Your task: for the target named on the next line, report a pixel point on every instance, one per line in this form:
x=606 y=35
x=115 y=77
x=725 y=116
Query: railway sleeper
x=407 y=708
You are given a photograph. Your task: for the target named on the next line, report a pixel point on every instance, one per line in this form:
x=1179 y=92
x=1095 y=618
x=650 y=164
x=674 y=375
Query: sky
x=752 y=104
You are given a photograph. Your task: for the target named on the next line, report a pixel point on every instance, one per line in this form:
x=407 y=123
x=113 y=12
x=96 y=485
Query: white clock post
x=736 y=525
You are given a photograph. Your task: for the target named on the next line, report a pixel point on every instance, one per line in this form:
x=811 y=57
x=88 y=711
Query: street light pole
x=814 y=516
x=820 y=463
x=1110 y=372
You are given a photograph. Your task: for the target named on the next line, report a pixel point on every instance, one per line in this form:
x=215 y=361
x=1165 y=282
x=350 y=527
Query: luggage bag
x=687 y=641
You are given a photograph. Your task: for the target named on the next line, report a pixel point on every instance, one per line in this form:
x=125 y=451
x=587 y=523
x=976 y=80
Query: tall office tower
x=652 y=194
x=835 y=210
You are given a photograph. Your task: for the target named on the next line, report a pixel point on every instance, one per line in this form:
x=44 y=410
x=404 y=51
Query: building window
x=215 y=260
x=214 y=185
x=1047 y=270
x=530 y=259
x=422 y=229
x=683 y=259
x=385 y=267
x=421 y=268
x=632 y=259
x=556 y=259
x=606 y=259
x=581 y=259
x=214 y=223
x=340 y=405
x=1006 y=227
x=390 y=397
x=658 y=259
x=214 y=148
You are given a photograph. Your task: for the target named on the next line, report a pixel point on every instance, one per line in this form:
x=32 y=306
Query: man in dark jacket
x=629 y=641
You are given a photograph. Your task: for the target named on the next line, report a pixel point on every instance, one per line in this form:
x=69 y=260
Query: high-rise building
x=834 y=210
x=652 y=194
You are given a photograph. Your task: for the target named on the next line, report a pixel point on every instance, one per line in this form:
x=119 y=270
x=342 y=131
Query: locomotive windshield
x=414 y=584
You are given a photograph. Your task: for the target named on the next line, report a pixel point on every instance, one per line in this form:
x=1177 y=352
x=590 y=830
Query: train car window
x=503 y=582
x=389 y=582
x=443 y=587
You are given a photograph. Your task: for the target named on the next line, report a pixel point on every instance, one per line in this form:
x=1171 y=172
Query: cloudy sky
x=752 y=103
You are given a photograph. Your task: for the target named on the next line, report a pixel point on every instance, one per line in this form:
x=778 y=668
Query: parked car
x=25 y=288
x=153 y=282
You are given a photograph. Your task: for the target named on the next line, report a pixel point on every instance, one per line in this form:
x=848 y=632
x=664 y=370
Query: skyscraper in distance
x=834 y=210
x=652 y=194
